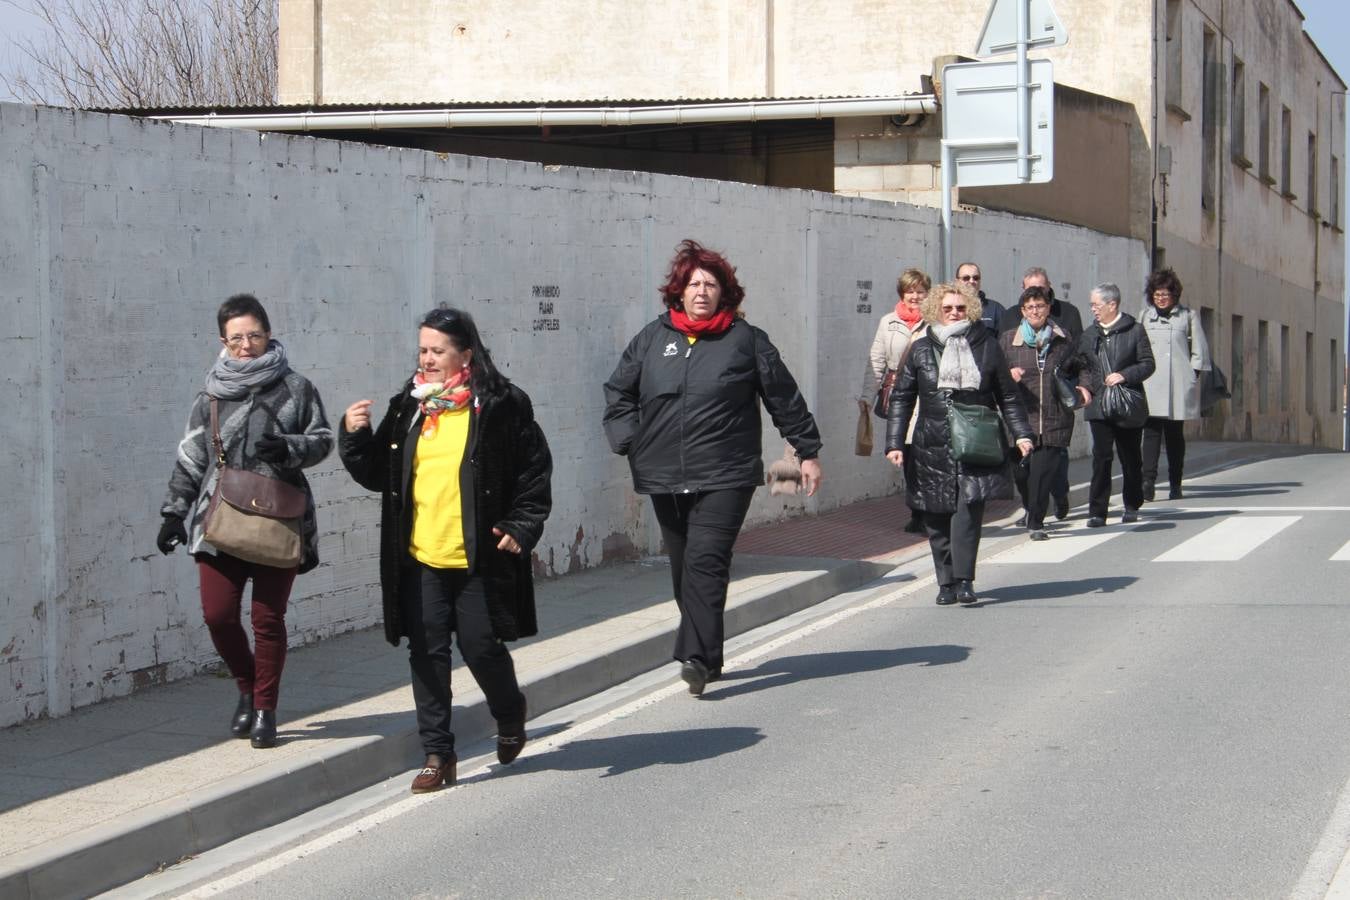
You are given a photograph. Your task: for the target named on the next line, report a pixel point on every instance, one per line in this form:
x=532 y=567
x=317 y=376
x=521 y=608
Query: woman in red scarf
x=895 y=335
x=683 y=406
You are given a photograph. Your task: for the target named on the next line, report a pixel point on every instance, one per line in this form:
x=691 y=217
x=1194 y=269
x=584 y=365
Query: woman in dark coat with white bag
x=957 y=360
x=464 y=474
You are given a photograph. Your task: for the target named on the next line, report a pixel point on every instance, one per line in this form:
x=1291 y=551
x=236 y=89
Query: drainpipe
x=542 y=116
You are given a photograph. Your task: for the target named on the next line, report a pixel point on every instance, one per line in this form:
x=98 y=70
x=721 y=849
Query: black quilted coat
x=507 y=470
x=931 y=484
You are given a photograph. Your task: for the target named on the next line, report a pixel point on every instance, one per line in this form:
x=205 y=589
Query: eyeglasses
x=253 y=337
x=1162 y=293
x=967 y=278
x=954 y=308
x=1035 y=307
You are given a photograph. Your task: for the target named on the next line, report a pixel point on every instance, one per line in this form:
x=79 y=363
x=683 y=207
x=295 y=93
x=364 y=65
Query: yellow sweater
x=438 y=516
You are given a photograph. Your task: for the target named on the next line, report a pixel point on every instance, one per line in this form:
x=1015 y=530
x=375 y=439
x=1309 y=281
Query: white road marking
x=1322 y=877
x=251 y=874
x=1343 y=554
x=1229 y=540
x=1058 y=549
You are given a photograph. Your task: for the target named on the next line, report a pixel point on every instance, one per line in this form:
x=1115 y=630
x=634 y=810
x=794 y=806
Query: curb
x=108 y=856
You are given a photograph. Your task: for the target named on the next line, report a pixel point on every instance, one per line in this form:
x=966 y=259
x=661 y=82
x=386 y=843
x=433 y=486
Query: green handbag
x=977 y=434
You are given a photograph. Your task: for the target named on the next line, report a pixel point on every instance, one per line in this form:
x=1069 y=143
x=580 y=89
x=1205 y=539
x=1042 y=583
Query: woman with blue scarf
x=1035 y=350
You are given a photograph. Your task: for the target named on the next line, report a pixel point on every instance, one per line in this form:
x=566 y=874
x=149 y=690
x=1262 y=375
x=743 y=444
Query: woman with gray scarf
x=271 y=422
x=958 y=359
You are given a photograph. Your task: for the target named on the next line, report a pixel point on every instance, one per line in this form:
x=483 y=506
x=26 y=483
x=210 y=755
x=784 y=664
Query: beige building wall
x=1147 y=158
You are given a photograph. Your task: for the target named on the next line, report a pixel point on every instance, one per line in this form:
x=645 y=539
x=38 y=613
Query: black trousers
x=1107 y=440
x=699 y=531
x=1156 y=433
x=436 y=603
x=1059 y=489
x=955 y=540
x=1036 y=478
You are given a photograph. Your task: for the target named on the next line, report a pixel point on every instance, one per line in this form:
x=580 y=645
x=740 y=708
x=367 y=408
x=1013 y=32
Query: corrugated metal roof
x=224 y=109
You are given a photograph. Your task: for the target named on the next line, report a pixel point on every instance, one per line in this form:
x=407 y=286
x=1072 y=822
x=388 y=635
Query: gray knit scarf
x=232 y=379
x=956 y=369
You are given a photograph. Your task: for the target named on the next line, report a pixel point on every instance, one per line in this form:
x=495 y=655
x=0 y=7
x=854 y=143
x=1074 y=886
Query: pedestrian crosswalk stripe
x=1228 y=540
x=1343 y=554
x=1060 y=548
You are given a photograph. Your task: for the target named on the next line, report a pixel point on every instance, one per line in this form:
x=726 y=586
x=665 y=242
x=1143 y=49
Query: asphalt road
x=1105 y=724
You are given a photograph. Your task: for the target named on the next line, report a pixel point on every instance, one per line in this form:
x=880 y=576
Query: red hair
x=692 y=255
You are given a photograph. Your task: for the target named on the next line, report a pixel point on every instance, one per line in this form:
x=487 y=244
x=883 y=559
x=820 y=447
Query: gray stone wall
x=120 y=237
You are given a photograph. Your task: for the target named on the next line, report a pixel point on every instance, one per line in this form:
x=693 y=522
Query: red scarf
x=907 y=315
x=717 y=323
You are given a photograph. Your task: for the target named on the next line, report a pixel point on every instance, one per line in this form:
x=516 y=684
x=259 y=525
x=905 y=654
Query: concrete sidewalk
x=98 y=798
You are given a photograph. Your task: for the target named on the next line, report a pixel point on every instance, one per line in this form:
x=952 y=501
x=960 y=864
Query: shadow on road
x=1054 y=590
x=1223 y=491
x=785 y=670
x=625 y=753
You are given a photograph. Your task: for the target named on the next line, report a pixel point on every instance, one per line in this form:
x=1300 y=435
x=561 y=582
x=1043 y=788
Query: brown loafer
x=434 y=777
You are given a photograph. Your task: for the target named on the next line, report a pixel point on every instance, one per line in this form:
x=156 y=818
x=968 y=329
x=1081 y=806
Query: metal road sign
x=999 y=34
x=980 y=122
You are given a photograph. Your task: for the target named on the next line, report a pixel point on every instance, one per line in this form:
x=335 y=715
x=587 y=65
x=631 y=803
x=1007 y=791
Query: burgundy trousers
x=256 y=671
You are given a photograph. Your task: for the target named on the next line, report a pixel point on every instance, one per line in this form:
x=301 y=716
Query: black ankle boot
x=243 y=716
x=264 y=728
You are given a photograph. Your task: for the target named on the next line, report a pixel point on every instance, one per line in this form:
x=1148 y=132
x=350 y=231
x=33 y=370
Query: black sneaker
x=1096 y=521
x=1130 y=515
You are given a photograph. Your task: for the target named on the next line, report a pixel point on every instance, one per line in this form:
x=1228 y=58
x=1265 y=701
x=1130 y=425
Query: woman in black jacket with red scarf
x=464 y=476
x=683 y=406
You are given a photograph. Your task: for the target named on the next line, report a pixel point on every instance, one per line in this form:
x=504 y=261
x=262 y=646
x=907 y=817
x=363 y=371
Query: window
x=1237 y=118
x=1312 y=174
x=1173 y=97
x=1334 y=378
x=1284 y=367
x=1335 y=192
x=1262 y=365
x=1263 y=150
x=1209 y=120
x=1286 y=153
x=1235 y=364
x=1309 y=382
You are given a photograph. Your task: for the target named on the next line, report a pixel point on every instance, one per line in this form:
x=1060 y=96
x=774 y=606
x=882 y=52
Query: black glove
x=271 y=448
x=171 y=534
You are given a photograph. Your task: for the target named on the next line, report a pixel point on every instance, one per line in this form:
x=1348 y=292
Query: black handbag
x=977 y=434
x=1066 y=390
x=1213 y=388
x=1124 y=405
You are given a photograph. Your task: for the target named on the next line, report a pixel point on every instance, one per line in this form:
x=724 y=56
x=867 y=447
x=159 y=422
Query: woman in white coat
x=1173 y=390
x=895 y=335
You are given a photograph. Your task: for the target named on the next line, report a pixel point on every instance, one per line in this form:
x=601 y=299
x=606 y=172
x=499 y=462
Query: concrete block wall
x=119 y=238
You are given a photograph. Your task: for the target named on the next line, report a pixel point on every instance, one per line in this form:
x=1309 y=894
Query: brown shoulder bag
x=253 y=517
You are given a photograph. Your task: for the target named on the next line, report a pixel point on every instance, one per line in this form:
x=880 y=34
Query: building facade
x=1213 y=131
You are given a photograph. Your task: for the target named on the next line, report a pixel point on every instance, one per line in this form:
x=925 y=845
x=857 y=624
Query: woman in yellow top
x=464 y=471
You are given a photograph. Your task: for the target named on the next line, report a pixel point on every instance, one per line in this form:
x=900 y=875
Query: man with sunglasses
x=994 y=313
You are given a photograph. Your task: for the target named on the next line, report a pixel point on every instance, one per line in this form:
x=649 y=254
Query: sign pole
x=1023 y=91
x=946 y=211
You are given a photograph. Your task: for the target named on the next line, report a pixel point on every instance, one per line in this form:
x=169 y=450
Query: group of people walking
x=942 y=357
x=464 y=472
